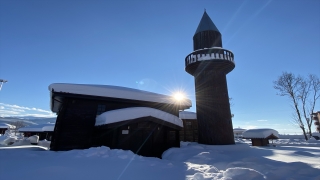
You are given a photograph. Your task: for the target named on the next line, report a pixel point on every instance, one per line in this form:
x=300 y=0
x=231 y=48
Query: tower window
x=101 y=109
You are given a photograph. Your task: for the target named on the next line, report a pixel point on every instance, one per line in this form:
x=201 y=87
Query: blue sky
x=142 y=44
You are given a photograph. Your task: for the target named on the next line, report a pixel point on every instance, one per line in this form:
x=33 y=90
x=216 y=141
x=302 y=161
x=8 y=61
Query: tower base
x=213 y=108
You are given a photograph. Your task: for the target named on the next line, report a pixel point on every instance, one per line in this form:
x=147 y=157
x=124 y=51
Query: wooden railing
x=209 y=54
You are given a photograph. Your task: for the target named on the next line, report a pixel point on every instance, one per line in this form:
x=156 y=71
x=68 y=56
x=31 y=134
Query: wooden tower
x=209 y=63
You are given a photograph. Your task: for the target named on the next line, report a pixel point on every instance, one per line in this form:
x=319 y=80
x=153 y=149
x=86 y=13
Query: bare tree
x=290 y=85
x=299 y=89
x=303 y=95
x=18 y=125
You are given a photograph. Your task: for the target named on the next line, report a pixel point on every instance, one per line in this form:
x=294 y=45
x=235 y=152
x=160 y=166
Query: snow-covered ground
x=288 y=159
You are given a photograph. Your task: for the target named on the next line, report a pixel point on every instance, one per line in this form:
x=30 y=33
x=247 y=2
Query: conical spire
x=206 y=24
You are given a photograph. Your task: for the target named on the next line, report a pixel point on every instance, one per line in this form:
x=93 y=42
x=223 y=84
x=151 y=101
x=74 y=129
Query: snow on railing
x=209 y=54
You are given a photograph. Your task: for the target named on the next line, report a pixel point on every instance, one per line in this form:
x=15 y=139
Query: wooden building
x=316 y=117
x=145 y=131
x=237 y=132
x=189 y=132
x=260 y=137
x=81 y=109
x=44 y=131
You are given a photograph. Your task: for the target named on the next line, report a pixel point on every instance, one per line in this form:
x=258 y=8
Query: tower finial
x=204 y=9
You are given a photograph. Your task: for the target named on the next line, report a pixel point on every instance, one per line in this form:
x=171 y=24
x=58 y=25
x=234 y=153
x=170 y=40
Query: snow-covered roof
x=5 y=125
x=316 y=134
x=238 y=130
x=259 y=133
x=38 y=128
x=134 y=113
x=116 y=92
x=187 y=115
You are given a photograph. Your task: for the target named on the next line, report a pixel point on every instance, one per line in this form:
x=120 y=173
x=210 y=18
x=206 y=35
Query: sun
x=179 y=96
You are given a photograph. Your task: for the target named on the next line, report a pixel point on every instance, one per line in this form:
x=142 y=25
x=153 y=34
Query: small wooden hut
x=189 y=132
x=81 y=108
x=260 y=137
x=44 y=131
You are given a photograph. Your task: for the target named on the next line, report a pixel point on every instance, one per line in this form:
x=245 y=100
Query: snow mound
x=206 y=172
x=26 y=142
x=106 y=152
x=313 y=140
x=243 y=173
x=4 y=140
x=192 y=162
x=297 y=142
x=21 y=142
x=44 y=143
x=102 y=151
x=33 y=139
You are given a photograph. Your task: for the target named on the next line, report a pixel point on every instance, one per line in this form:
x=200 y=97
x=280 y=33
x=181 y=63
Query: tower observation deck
x=209 y=63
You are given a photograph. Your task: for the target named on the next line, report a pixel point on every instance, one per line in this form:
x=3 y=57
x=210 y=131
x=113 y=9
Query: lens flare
x=179 y=96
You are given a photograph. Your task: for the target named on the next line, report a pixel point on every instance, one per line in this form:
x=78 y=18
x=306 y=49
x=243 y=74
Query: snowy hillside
x=28 y=120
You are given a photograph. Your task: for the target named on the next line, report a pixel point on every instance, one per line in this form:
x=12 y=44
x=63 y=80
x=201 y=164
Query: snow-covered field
x=289 y=159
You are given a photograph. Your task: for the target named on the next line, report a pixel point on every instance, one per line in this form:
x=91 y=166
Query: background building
x=316 y=118
x=189 y=132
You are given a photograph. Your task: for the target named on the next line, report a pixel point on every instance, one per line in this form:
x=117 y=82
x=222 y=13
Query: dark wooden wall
x=213 y=108
x=74 y=125
x=116 y=103
x=141 y=136
x=206 y=39
x=3 y=130
x=189 y=132
x=259 y=142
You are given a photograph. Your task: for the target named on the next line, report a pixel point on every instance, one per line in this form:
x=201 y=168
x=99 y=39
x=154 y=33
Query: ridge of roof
x=116 y=92
x=206 y=24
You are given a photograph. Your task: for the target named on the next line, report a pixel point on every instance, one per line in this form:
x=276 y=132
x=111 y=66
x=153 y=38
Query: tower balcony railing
x=209 y=54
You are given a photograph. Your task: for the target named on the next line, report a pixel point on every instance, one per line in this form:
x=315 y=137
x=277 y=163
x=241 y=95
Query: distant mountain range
x=28 y=120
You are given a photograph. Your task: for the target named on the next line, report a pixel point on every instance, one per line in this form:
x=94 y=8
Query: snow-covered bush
x=4 y=140
x=34 y=139
x=313 y=140
x=8 y=138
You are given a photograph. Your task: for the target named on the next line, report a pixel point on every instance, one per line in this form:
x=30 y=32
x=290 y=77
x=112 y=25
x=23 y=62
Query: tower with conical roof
x=209 y=63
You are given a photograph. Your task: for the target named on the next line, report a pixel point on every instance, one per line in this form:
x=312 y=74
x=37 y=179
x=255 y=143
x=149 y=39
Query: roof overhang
x=126 y=114
x=58 y=91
